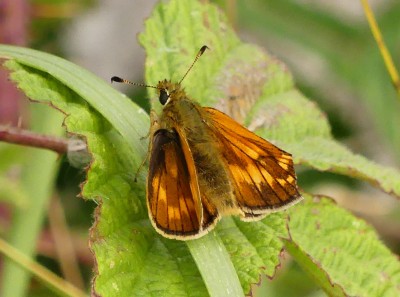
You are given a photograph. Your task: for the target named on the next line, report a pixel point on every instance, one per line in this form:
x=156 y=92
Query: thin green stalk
x=387 y=58
x=215 y=266
x=55 y=283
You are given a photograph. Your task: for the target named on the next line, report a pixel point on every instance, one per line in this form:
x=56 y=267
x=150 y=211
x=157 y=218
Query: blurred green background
x=328 y=47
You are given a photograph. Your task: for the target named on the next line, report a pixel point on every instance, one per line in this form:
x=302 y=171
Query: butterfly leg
x=154 y=126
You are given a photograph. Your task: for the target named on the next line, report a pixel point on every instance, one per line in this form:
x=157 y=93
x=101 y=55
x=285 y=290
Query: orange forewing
x=262 y=175
x=172 y=191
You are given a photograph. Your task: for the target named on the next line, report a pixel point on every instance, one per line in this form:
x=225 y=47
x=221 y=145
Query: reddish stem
x=28 y=138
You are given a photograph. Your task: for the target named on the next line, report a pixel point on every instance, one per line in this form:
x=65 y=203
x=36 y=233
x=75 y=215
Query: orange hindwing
x=262 y=175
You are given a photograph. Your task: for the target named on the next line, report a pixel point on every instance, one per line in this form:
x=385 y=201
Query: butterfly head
x=168 y=91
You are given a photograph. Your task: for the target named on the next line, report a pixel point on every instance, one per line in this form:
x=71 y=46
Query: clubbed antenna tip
x=117 y=79
x=201 y=51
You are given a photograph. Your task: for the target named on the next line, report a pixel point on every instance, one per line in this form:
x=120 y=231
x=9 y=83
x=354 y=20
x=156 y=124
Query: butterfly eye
x=163 y=96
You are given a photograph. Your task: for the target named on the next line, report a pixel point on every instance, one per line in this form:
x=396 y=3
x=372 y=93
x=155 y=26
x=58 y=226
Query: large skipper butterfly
x=204 y=165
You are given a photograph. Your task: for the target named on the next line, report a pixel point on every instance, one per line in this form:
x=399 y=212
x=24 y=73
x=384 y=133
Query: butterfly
x=204 y=165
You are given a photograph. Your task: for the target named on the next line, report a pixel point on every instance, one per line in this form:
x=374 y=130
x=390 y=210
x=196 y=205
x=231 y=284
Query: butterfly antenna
x=125 y=81
x=201 y=51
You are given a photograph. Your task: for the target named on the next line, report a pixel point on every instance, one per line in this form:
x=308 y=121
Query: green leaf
x=341 y=252
x=329 y=155
x=254 y=247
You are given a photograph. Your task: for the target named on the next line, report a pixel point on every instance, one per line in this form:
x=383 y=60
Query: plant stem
x=387 y=58
x=55 y=283
x=28 y=138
